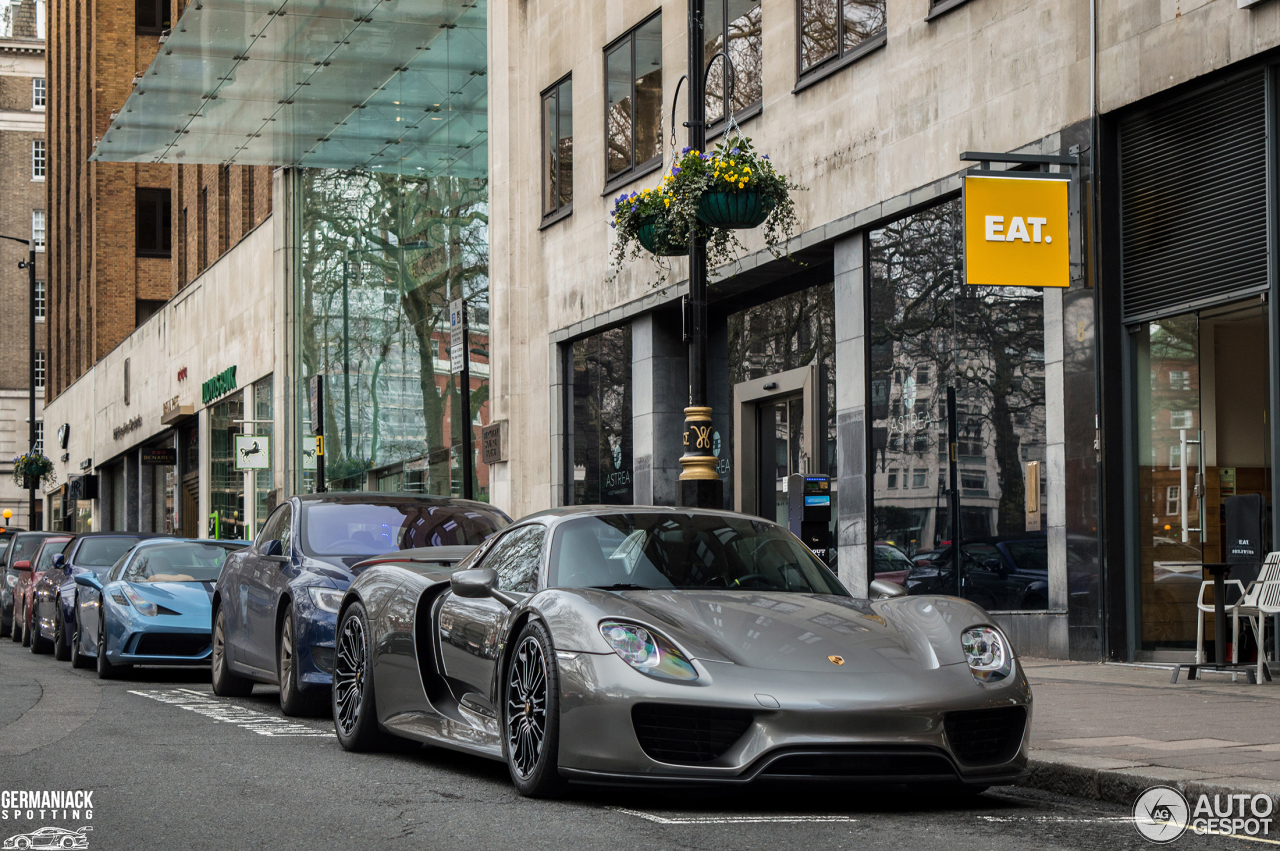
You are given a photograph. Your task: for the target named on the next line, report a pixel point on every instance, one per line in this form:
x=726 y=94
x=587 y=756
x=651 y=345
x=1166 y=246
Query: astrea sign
x=1016 y=231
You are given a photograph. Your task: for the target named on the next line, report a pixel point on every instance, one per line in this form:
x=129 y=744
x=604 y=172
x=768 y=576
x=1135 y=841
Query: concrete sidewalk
x=1111 y=731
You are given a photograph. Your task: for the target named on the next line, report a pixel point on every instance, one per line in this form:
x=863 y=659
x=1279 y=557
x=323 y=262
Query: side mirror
x=60 y=561
x=25 y=564
x=89 y=579
x=883 y=589
x=476 y=583
x=273 y=548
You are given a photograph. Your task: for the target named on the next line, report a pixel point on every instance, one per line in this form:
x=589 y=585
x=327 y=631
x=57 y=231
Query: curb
x=1121 y=782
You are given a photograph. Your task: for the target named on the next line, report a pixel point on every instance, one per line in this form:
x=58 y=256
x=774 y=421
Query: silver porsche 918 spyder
x=627 y=645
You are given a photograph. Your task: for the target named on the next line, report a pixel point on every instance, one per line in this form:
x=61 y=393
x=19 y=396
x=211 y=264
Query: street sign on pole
x=457 y=335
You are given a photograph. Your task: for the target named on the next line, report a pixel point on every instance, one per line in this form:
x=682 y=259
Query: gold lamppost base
x=700 y=485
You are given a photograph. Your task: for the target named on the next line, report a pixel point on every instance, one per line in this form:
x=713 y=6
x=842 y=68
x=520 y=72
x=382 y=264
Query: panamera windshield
x=364 y=529
x=651 y=550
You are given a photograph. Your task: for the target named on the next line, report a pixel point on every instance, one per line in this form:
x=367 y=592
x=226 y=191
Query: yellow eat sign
x=1016 y=232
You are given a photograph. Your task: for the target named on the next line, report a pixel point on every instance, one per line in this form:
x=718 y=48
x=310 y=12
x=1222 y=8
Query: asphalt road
x=172 y=766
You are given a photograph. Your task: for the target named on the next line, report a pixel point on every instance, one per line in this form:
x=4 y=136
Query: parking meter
x=809 y=512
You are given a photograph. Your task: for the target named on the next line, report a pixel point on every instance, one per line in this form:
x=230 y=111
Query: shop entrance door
x=1202 y=410
x=774 y=437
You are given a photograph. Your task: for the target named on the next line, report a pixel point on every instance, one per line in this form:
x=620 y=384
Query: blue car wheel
x=294 y=701
x=106 y=671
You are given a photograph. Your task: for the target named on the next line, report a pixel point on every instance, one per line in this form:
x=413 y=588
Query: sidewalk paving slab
x=1111 y=731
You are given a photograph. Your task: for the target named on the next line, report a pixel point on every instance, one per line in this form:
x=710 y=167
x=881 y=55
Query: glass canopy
x=383 y=85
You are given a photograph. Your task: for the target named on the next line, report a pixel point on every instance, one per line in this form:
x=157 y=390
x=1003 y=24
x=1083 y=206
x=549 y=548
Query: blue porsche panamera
x=153 y=606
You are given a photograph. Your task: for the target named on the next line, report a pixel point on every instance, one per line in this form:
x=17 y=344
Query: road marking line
x=735 y=819
x=230 y=713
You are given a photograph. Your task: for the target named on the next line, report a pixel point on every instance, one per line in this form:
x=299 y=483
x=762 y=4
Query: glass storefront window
x=928 y=332
x=226 y=483
x=601 y=443
x=380 y=257
x=264 y=480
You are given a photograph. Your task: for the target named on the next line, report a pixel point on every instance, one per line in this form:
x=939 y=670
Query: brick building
x=22 y=206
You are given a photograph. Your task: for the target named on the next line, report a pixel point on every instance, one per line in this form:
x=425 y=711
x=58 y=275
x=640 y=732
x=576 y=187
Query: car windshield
x=103 y=552
x=51 y=548
x=181 y=561
x=364 y=529
x=25 y=546
x=889 y=559
x=653 y=550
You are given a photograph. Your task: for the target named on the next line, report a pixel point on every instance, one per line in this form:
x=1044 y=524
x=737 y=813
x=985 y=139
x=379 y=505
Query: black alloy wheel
x=61 y=651
x=293 y=700
x=355 y=709
x=106 y=671
x=39 y=644
x=531 y=715
x=225 y=683
x=78 y=659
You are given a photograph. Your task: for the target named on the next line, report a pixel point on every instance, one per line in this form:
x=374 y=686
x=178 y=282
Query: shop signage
x=158 y=456
x=253 y=452
x=64 y=432
x=1016 y=231
x=122 y=430
x=491 y=443
x=220 y=385
x=308 y=453
x=172 y=411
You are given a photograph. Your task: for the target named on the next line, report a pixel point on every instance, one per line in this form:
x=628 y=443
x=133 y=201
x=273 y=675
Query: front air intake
x=986 y=736
x=687 y=735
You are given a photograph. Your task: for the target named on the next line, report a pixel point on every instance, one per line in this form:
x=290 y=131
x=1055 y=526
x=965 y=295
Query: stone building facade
x=23 y=169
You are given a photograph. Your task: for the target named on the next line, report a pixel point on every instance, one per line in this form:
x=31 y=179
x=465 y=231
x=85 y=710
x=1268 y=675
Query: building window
x=557 y=147
x=1175 y=456
x=39 y=305
x=1172 y=495
x=919 y=478
x=831 y=30
x=633 y=106
x=733 y=26
x=37 y=93
x=37 y=159
x=1179 y=419
x=1179 y=379
x=37 y=229
x=154 y=230
x=892 y=480
x=39 y=447
x=600 y=446
x=39 y=370
x=973 y=483
x=152 y=16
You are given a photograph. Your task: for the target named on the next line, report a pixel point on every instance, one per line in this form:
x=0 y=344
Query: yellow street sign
x=1016 y=232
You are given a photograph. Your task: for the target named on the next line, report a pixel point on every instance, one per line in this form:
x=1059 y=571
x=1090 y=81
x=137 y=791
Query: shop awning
x=395 y=85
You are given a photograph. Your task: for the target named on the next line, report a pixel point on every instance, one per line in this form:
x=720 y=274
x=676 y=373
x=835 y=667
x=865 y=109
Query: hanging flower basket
x=735 y=210
x=30 y=469
x=656 y=235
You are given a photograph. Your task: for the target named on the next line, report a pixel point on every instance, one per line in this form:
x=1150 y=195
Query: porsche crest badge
x=836 y=660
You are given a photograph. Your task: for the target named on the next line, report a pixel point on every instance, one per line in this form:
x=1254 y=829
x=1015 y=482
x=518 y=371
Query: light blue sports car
x=153 y=606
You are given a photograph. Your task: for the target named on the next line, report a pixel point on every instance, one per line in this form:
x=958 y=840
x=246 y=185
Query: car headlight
x=988 y=653
x=647 y=651
x=11 y=579
x=144 y=606
x=326 y=598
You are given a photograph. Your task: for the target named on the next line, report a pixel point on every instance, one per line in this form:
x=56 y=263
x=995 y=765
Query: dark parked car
x=891 y=564
x=57 y=605
x=23 y=591
x=276 y=603
x=1009 y=572
x=21 y=549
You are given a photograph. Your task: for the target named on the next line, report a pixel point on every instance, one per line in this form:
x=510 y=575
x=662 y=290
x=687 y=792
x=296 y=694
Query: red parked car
x=29 y=572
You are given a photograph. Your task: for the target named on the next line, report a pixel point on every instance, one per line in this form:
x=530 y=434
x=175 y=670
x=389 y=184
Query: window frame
x=39 y=93
x=161 y=7
x=561 y=211
x=41 y=303
x=751 y=110
x=841 y=59
x=41 y=369
x=42 y=230
x=161 y=214
x=636 y=170
x=39 y=160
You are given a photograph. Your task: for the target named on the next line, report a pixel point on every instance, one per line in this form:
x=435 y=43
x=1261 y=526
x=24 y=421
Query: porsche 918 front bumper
x=937 y=725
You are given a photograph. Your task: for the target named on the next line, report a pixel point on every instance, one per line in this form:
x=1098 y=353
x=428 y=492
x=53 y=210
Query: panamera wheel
x=225 y=683
x=294 y=700
x=531 y=714
x=355 y=710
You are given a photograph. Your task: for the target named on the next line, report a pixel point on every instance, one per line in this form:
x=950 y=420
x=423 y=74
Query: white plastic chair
x=1260 y=600
x=1229 y=608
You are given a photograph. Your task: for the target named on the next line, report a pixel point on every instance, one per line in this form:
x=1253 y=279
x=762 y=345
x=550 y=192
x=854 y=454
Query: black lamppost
x=700 y=484
x=30 y=265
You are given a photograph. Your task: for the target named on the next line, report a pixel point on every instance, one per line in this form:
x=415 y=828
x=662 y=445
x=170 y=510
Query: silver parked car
x=627 y=645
